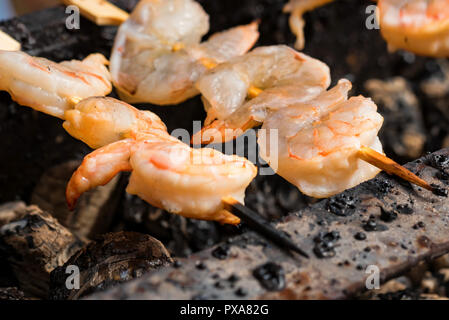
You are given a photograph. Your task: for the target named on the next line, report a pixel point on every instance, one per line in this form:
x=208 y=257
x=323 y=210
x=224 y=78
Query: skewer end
x=382 y=162
x=261 y=225
x=75 y=100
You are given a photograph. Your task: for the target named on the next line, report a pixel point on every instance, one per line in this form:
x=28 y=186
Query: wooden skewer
x=382 y=162
x=75 y=100
x=101 y=12
x=261 y=225
x=7 y=43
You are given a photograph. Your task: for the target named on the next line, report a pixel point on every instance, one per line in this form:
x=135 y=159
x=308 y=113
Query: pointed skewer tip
x=382 y=162
x=261 y=225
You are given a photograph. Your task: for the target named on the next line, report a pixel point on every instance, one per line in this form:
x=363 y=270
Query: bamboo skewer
x=8 y=43
x=261 y=225
x=101 y=12
x=388 y=165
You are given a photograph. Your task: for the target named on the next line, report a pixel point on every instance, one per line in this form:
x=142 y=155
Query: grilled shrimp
x=297 y=8
x=157 y=55
x=285 y=76
x=99 y=121
x=318 y=141
x=165 y=172
x=47 y=86
x=419 y=26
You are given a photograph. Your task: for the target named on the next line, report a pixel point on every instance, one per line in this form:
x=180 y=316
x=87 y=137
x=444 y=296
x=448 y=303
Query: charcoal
x=95 y=209
x=108 y=260
x=34 y=244
x=11 y=293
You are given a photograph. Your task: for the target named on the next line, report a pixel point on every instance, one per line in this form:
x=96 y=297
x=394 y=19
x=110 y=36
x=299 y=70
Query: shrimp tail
x=98 y=168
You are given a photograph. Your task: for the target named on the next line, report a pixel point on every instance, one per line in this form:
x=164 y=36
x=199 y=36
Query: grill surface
x=33 y=142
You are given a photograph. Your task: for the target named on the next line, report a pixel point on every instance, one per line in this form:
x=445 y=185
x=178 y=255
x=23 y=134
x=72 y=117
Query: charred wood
x=111 y=259
x=34 y=243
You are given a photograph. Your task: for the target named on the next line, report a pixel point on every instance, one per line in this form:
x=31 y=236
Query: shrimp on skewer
x=164 y=171
x=99 y=121
x=329 y=144
x=49 y=87
x=297 y=8
x=238 y=94
x=419 y=26
x=157 y=55
x=161 y=164
x=318 y=141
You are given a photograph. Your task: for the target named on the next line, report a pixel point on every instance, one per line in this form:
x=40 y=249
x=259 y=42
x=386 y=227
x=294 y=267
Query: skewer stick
x=7 y=43
x=261 y=225
x=75 y=100
x=101 y=12
x=382 y=162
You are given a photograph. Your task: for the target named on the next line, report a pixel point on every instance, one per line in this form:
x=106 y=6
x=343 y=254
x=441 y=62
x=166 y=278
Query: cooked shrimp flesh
x=47 y=86
x=157 y=55
x=165 y=172
x=279 y=74
x=99 y=121
x=318 y=141
x=419 y=26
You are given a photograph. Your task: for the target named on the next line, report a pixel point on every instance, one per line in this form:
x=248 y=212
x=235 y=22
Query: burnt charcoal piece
x=271 y=276
x=11 y=211
x=360 y=236
x=407 y=294
x=11 y=294
x=241 y=292
x=221 y=251
x=439 y=161
x=325 y=244
x=94 y=210
x=180 y=235
x=419 y=225
x=372 y=225
x=404 y=209
x=439 y=191
x=442 y=175
x=388 y=215
x=110 y=259
x=200 y=265
x=35 y=244
x=341 y=205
